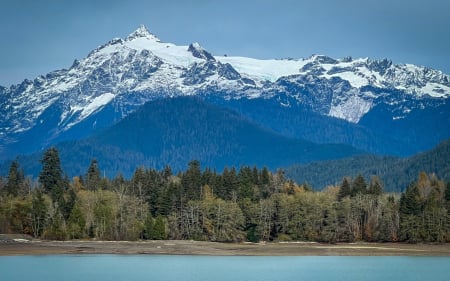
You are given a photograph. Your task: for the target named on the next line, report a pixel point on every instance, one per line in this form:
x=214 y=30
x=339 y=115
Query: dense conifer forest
x=396 y=173
x=237 y=204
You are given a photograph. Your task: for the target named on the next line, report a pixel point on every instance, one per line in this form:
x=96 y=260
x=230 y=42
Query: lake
x=220 y=268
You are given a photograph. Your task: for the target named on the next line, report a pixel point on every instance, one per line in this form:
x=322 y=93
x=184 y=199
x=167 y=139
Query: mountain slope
x=396 y=173
x=175 y=131
x=299 y=122
x=118 y=77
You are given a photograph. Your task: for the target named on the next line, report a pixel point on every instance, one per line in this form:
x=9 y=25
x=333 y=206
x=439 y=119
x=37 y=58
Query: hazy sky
x=38 y=36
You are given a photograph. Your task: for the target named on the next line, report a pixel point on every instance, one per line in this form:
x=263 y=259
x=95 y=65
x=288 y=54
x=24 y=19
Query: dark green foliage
x=375 y=187
x=149 y=225
x=154 y=136
x=395 y=173
x=76 y=224
x=91 y=231
x=51 y=176
x=68 y=203
x=252 y=235
x=447 y=192
x=159 y=229
x=246 y=183
x=410 y=203
x=359 y=186
x=155 y=229
x=170 y=199
x=423 y=213
x=402 y=137
x=265 y=176
x=447 y=198
x=230 y=184
x=38 y=213
x=16 y=179
x=345 y=189
x=93 y=176
x=191 y=181
x=2 y=185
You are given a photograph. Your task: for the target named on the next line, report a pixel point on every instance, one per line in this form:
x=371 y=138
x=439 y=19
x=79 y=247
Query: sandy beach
x=24 y=246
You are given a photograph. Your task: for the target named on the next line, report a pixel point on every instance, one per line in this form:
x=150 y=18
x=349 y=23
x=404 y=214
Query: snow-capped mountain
x=123 y=74
x=140 y=63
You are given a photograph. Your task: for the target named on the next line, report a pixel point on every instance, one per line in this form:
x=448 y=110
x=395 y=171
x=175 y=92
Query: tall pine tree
x=375 y=187
x=191 y=181
x=93 y=176
x=344 y=190
x=359 y=185
x=16 y=179
x=51 y=176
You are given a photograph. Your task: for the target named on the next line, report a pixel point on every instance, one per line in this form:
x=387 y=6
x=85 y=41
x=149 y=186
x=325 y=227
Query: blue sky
x=40 y=36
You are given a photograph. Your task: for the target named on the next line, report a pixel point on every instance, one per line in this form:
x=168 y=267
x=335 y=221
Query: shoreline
x=15 y=247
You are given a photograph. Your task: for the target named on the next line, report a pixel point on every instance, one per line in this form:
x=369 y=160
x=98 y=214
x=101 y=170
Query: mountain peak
x=142 y=32
x=199 y=52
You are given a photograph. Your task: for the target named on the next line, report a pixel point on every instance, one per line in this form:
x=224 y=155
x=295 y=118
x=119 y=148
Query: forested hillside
x=175 y=131
x=239 y=204
x=299 y=121
x=396 y=173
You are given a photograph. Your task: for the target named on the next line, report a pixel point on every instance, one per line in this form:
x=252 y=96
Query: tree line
x=238 y=204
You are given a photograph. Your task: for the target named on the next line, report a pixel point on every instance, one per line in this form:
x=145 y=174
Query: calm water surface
x=206 y=268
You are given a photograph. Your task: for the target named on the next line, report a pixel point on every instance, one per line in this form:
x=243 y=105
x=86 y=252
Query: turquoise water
x=207 y=268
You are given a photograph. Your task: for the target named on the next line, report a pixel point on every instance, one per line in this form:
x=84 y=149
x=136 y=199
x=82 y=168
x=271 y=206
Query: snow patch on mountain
x=169 y=53
x=94 y=104
x=351 y=109
x=264 y=70
x=436 y=90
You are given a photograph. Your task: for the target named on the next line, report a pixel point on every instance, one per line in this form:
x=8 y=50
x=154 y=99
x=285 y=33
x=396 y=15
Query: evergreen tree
x=411 y=225
x=76 y=224
x=359 y=186
x=245 y=178
x=375 y=188
x=93 y=176
x=16 y=179
x=265 y=176
x=138 y=181
x=230 y=184
x=38 y=213
x=159 y=229
x=434 y=217
x=344 y=190
x=264 y=183
x=68 y=203
x=149 y=226
x=410 y=203
x=255 y=176
x=170 y=199
x=2 y=185
x=191 y=181
x=51 y=176
x=207 y=177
